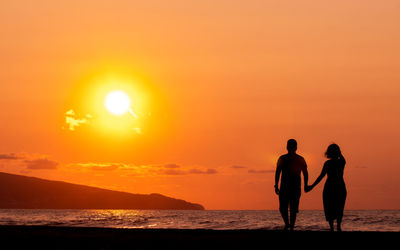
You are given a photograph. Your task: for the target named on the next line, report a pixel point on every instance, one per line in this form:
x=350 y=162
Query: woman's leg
x=340 y=213
x=339 y=223
x=331 y=225
x=285 y=217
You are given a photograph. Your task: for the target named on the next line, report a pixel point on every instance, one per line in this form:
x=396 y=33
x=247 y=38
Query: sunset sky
x=216 y=88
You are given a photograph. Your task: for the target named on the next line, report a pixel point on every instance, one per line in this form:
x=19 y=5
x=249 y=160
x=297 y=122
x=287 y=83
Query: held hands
x=308 y=188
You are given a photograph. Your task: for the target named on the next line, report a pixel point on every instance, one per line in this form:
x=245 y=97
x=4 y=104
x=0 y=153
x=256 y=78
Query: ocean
x=353 y=220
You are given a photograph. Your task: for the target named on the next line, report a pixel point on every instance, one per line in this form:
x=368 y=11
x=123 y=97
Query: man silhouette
x=290 y=166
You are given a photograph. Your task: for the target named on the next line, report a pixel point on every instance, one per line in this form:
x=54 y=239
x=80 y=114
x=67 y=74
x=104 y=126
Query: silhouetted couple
x=291 y=165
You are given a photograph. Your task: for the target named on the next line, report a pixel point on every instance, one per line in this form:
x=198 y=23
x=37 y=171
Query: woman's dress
x=334 y=194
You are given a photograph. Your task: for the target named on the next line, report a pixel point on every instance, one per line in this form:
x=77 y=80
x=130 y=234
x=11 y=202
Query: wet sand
x=36 y=237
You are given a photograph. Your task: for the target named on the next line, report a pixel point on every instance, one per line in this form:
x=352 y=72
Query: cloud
x=263 y=171
x=10 y=157
x=173 y=172
x=238 y=167
x=140 y=170
x=161 y=166
x=100 y=166
x=41 y=164
x=30 y=161
x=73 y=121
x=105 y=168
x=176 y=171
x=169 y=169
x=171 y=166
x=199 y=171
x=123 y=168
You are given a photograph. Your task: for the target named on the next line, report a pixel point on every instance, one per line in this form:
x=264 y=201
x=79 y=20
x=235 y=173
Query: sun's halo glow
x=117 y=102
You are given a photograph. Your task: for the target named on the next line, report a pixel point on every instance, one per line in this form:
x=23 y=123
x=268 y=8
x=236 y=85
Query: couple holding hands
x=289 y=168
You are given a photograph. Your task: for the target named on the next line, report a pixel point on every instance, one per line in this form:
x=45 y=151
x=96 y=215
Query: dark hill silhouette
x=17 y=191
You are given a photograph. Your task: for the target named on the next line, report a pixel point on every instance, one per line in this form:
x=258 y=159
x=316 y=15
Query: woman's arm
x=320 y=177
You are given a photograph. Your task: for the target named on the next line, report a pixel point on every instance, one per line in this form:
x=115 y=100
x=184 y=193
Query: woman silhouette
x=334 y=194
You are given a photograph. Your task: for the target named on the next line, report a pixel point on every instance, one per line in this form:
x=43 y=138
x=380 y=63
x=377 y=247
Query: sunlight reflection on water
x=363 y=220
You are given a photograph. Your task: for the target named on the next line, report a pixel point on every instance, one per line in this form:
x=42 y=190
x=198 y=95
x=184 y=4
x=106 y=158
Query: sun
x=117 y=102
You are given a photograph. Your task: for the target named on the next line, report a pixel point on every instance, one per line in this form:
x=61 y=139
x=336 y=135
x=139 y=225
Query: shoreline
x=111 y=238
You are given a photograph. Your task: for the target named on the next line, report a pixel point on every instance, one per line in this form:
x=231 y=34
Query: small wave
x=205 y=222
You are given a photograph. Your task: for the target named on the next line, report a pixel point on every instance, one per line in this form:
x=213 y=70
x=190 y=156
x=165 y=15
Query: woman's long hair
x=333 y=152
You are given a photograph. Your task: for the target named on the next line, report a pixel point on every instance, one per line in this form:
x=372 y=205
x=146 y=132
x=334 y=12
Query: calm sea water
x=363 y=220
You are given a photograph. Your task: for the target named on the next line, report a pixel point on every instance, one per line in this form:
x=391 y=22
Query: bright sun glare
x=117 y=102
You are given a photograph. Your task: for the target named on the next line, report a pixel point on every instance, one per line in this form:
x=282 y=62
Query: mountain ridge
x=19 y=191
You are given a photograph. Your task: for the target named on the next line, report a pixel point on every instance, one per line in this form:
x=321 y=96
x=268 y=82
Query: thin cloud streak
x=264 y=171
x=163 y=169
x=10 y=157
x=41 y=164
x=238 y=167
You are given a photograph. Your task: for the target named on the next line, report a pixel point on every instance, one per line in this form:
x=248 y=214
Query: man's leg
x=294 y=208
x=283 y=208
x=292 y=219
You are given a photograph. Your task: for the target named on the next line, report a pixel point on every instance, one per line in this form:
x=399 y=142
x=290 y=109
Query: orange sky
x=219 y=87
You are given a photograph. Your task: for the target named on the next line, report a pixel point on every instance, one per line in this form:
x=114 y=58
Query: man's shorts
x=289 y=200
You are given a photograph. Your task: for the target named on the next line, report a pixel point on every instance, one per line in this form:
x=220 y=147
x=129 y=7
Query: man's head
x=291 y=145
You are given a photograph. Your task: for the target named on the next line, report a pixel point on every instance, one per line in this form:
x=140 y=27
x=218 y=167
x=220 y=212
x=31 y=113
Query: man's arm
x=277 y=175
x=305 y=175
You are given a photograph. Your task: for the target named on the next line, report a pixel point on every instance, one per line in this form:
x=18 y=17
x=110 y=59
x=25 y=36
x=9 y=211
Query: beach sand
x=36 y=237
